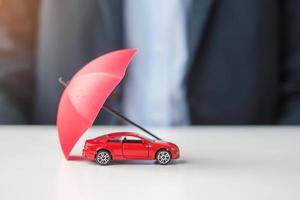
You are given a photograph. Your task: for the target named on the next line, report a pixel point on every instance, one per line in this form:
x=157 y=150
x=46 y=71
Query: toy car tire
x=103 y=157
x=163 y=157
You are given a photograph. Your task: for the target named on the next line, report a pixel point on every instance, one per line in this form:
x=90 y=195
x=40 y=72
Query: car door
x=114 y=144
x=135 y=148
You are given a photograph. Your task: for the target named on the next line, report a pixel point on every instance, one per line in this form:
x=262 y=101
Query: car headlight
x=174 y=148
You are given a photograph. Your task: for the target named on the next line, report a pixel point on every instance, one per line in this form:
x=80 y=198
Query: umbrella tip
x=134 y=50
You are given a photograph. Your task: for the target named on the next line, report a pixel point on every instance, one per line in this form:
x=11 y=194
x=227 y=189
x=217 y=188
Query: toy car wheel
x=163 y=157
x=103 y=157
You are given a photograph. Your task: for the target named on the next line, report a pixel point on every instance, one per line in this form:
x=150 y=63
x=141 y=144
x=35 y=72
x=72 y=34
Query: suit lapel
x=112 y=21
x=199 y=13
x=111 y=16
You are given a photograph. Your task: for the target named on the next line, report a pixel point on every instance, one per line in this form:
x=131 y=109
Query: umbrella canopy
x=86 y=93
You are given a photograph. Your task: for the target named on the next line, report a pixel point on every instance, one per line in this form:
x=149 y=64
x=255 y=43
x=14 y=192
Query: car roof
x=119 y=134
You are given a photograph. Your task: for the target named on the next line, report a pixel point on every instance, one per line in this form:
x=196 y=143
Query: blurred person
x=199 y=61
x=17 y=55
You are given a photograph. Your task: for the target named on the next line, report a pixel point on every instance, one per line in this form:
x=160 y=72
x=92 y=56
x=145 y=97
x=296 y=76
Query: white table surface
x=216 y=163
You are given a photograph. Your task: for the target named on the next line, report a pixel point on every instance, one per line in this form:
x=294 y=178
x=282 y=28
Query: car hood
x=164 y=143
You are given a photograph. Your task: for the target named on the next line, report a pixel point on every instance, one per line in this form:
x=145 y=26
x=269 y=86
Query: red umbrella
x=86 y=93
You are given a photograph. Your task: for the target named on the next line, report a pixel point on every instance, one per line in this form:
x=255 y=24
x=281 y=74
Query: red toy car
x=129 y=146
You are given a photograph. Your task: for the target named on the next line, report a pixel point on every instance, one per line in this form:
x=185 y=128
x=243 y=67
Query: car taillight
x=87 y=144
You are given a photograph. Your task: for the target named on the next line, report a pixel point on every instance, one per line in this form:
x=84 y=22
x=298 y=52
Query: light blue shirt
x=154 y=92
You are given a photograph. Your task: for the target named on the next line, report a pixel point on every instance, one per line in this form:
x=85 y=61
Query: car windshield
x=147 y=137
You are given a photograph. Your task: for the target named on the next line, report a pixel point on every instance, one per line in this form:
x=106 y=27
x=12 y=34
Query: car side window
x=132 y=139
x=115 y=139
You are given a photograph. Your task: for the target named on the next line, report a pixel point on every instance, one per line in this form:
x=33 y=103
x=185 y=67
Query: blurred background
x=198 y=61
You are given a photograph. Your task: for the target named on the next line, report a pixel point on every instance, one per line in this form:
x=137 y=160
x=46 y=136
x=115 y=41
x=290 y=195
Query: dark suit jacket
x=244 y=65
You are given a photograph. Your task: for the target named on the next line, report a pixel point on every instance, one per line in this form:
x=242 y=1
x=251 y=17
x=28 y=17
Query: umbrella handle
x=61 y=81
x=116 y=113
